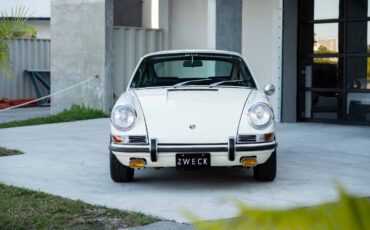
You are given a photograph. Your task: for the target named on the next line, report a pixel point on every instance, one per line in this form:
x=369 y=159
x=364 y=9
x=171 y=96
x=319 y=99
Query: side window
x=141 y=77
x=246 y=75
x=135 y=81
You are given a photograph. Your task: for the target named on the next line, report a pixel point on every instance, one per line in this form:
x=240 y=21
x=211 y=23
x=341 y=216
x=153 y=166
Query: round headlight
x=123 y=117
x=260 y=115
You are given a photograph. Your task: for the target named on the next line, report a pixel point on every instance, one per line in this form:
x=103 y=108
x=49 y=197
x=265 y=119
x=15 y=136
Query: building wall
x=228 y=25
x=36 y=8
x=42 y=27
x=25 y=54
x=147 y=14
x=262 y=42
x=130 y=44
x=188 y=24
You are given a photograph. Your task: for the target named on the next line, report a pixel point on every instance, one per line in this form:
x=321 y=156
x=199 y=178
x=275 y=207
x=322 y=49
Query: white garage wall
x=42 y=28
x=261 y=43
x=188 y=24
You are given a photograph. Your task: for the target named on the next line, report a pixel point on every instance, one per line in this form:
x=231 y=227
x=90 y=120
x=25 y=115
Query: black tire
x=118 y=171
x=267 y=170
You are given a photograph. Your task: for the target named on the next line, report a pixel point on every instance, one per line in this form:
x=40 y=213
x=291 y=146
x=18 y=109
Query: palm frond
x=11 y=27
x=15 y=25
x=5 y=63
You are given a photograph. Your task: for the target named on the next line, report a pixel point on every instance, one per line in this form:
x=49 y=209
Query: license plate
x=193 y=161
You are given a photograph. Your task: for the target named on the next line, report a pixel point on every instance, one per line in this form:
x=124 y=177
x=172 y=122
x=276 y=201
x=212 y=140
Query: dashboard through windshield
x=192 y=70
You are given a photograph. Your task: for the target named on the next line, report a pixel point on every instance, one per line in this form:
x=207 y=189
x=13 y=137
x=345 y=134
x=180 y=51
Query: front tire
x=118 y=171
x=267 y=170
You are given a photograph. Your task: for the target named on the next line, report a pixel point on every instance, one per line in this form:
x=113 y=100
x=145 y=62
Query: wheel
x=267 y=170
x=118 y=171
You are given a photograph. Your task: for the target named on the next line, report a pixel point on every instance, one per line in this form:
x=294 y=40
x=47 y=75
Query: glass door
x=334 y=63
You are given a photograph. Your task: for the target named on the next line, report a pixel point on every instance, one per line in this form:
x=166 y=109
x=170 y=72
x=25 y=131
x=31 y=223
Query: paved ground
x=71 y=160
x=163 y=225
x=23 y=113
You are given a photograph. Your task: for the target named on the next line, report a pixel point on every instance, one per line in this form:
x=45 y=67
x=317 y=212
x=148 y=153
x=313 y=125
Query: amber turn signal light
x=269 y=136
x=136 y=164
x=249 y=161
x=120 y=139
x=116 y=139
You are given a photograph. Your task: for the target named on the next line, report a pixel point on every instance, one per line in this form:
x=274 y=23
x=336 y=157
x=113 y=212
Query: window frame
x=342 y=56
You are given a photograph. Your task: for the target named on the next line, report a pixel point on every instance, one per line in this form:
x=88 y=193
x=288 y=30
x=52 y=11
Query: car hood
x=192 y=115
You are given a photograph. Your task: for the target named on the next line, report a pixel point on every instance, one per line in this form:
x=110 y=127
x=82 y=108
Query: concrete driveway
x=23 y=114
x=71 y=160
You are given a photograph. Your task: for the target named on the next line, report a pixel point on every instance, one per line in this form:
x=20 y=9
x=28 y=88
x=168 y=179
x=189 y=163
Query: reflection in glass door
x=334 y=61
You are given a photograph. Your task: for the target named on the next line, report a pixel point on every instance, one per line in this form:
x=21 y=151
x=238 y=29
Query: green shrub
x=75 y=113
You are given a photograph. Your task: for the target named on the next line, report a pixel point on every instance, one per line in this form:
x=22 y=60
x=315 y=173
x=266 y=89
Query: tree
x=11 y=27
x=323 y=48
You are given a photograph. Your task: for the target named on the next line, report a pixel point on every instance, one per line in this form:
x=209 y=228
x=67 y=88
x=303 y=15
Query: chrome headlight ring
x=123 y=117
x=260 y=115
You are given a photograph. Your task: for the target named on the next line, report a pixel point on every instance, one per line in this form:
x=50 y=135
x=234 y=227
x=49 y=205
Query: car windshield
x=213 y=70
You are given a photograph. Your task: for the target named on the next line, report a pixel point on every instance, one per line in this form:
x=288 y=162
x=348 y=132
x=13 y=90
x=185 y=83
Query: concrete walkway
x=71 y=160
x=23 y=113
x=163 y=225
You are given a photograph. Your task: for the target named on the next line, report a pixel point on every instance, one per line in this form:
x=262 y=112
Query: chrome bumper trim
x=191 y=148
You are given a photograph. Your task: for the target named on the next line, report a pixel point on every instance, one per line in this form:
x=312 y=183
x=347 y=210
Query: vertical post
x=229 y=25
x=164 y=21
x=211 y=24
x=81 y=52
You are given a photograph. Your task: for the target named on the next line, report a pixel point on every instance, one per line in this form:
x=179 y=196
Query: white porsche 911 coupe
x=193 y=109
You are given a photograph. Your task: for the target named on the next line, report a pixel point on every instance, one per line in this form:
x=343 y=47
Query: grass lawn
x=9 y=152
x=26 y=209
x=75 y=113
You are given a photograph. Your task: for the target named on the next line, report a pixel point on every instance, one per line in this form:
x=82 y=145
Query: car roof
x=192 y=51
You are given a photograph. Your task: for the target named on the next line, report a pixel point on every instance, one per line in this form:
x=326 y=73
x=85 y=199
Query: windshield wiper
x=222 y=82
x=191 y=81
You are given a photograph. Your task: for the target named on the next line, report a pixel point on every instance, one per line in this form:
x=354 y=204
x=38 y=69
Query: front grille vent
x=247 y=138
x=137 y=139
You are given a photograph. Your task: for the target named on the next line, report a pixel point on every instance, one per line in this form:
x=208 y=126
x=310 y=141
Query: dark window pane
x=326 y=9
x=325 y=38
x=358 y=73
x=357 y=8
x=357 y=37
x=326 y=73
x=325 y=105
x=320 y=105
x=358 y=107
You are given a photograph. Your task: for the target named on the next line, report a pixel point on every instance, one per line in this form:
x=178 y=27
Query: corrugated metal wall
x=25 y=54
x=130 y=44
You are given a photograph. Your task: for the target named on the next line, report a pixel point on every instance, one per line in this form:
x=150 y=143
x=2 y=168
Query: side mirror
x=269 y=89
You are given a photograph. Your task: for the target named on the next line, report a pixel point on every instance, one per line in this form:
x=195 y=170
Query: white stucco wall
x=36 y=8
x=261 y=43
x=42 y=28
x=147 y=14
x=188 y=24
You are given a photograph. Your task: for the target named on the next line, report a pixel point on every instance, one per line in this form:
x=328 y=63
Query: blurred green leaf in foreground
x=349 y=213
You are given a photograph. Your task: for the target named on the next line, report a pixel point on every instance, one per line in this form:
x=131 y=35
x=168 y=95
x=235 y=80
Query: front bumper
x=164 y=155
